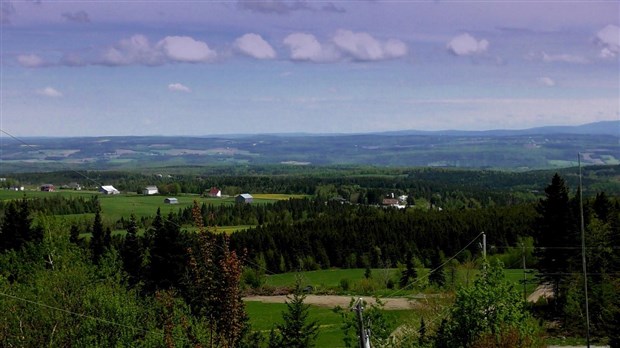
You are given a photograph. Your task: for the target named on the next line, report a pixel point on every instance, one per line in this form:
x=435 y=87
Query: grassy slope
x=114 y=207
x=264 y=316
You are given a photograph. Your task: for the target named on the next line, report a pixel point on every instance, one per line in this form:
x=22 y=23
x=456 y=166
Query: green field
x=331 y=278
x=113 y=207
x=263 y=317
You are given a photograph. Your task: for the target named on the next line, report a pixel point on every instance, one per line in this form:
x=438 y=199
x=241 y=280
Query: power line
x=435 y=269
x=82 y=315
x=66 y=167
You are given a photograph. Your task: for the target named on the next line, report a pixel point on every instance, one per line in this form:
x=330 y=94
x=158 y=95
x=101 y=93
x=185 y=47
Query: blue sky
x=87 y=68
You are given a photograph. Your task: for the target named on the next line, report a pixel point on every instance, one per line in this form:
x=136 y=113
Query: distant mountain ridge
x=594 y=128
x=534 y=148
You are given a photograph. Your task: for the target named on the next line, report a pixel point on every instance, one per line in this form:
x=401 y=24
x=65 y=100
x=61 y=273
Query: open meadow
x=113 y=207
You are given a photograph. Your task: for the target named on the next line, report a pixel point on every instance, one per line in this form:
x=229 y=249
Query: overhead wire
x=82 y=315
x=418 y=279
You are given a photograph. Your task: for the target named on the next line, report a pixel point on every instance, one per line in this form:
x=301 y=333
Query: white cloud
x=134 y=50
x=255 y=46
x=344 y=44
x=49 y=92
x=138 y=50
x=563 y=58
x=546 y=81
x=609 y=38
x=306 y=47
x=395 y=48
x=177 y=87
x=466 y=45
x=185 y=49
x=30 y=60
x=362 y=46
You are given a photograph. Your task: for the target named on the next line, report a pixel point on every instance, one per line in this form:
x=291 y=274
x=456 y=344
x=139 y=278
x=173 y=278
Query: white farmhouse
x=109 y=190
x=150 y=190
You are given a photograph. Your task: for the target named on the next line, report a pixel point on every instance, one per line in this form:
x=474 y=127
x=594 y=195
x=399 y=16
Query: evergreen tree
x=422 y=339
x=556 y=234
x=132 y=252
x=409 y=273
x=215 y=285
x=16 y=229
x=74 y=235
x=438 y=277
x=602 y=206
x=168 y=254
x=97 y=239
x=297 y=331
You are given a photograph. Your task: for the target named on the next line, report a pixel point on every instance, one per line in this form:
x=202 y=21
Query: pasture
x=113 y=207
x=264 y=316
x=332 y=280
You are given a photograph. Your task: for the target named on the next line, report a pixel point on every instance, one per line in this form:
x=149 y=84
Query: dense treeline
x=60 y=205
x=362 y=236
x=354 y=183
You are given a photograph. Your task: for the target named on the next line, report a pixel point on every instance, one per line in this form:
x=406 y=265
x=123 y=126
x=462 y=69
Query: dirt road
x=343 y=301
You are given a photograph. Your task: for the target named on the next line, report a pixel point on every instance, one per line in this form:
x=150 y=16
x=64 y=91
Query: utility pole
x=484 y=246
x=524 y=275
x=583 y=252
x=363 y=337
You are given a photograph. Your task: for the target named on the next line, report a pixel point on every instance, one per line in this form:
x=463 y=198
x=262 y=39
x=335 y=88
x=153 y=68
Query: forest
x=176 y=279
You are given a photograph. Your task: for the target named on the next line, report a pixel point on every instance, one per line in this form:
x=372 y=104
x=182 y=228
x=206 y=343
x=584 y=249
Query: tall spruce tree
x=297 y=331
x=168 y=254
x=409 y=273
x=438 y=277
x=132 y=252
x=214 y=287
x=16 y=229
x=556 y=235
x=97 y=239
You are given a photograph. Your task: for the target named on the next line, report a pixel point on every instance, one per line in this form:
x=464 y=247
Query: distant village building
x=150 y=190
x=72 y=186
x=393 y=202
x=215 y=192
x=171 y=200
x=244 y=198
x=17 y=188
x=109 y=190
x=390 y=201
x=48 y=188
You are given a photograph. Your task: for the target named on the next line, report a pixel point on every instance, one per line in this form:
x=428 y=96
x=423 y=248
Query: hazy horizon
x=274 y=66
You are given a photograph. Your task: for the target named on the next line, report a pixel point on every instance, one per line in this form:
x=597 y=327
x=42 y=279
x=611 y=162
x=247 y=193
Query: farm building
x=74 y=186
x=171 y=200
x=244 y=198
x=48 y=188
x=215 y=192
x=109 y=190
x=150 y=190
x=390 y=201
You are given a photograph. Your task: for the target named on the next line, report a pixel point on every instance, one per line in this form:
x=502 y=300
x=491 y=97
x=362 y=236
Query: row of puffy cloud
x=343 y=45
x=138 y=50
